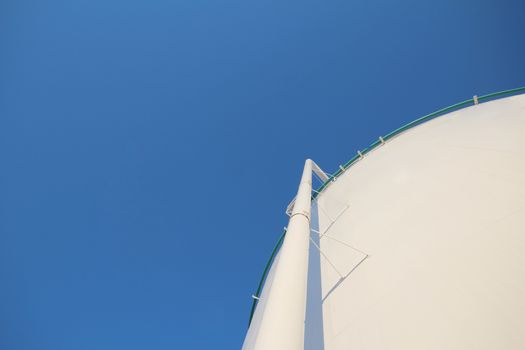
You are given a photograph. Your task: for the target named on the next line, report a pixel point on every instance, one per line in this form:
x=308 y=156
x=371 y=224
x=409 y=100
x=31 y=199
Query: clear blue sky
x=148 y=149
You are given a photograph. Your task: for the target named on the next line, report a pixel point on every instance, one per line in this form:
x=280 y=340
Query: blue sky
x=148 y=149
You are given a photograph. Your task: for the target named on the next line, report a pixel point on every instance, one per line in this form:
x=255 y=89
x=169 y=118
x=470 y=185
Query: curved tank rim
x=374 y=145
x=475 y=100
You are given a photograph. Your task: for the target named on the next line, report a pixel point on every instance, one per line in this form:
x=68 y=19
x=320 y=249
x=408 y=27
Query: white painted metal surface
x=255 y=325
x=322 y=177
x=422 y=241
x=279 y=322
x=440 y=210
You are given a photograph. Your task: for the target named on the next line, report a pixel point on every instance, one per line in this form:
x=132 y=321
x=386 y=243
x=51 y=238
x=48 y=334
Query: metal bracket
x=339 y=241
x=289 y=208
x=332 y=221
x=324 y=256
x=319 y=172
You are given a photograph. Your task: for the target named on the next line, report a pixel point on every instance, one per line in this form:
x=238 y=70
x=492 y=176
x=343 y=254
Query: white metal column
x=282 y=327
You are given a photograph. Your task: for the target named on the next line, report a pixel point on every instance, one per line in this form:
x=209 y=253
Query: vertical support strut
x=282 y=327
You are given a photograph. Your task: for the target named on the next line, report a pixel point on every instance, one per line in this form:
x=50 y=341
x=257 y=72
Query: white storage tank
x=422 y=240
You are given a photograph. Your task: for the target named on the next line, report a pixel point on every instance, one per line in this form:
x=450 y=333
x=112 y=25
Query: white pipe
x=282 y=326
